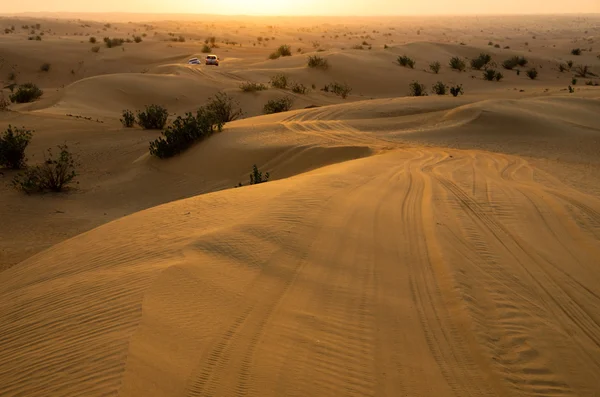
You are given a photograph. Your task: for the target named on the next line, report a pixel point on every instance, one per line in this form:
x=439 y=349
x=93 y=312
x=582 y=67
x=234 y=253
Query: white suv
x=212 y=60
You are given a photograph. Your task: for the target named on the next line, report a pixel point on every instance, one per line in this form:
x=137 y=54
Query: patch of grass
x=439 y=88
x=128 y=119
x=435 y=67
x=339 y=89
x=13 y=143
x=481 y=61
x=406 y=61
x=45 y=67
x=457 y=64
x=532 y=73
x=223 y=108
x=278 y=105
x=184 y=132
x=417 y=89
x=317 y=62
x=54 y=174
x=279 y=81
x=154 y=117
x=25 y=93
x=252 y=87
x=456 y=90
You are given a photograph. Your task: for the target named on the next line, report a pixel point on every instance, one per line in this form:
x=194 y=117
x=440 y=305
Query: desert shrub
x=513 y=62
x=279 y=81
x=481 y=61
x=256 y=176
x=491 y=75
x=93 y=40
x=496 y=45
x=283 y=51
x=128 y=118
x=38 y=38
x=274 y=55
x=582 y=70
x=562 y=67
x=184 y=132
x=54 y=174
x=154 y=117
x=138 y=39
x=223 y=108
x=11 y=76
x=114 y=42
x=456 y=90
x=13 y=143
x=339 y=89
x=435 y=67
x=417 y=89
x=4 y=103
x=27 y=92
x=206 y=49
x=439 y=88
x=406 y=61
x=457 y=64
x=278 y=105
x=96 y=48
x=574 y=81
x=570 y=64
x=522 y=61
x=298 y=88
x=490 y=43
x=576 y=51
x=571 y=90
x=212 y=40
x=532 y=73
x=318 y=62
x=252 y=87
x=45 y=67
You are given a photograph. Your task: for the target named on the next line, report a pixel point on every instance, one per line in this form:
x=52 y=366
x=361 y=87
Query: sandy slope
x=432 y=246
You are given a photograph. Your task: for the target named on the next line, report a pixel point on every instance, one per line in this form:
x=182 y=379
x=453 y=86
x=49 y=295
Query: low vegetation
x=114 y=42
x=582 y=71
x=576 y=51
x=299 y=88
x=532 y=73
x=439 y=88
x=154 y=117
x=93 y=40
x=339 y=89
x=283 y=51
x=137 y=39
x=435 y=67
x=252 y=87
x=491 y=75
x=13 y=143
x=278 y=105
x=317 y=62
x=481 y=61
x=457 y=64
x=257 y=177
x=456 y=90
x=45 y=67
x=184 y=132
x=96 y=48
x=279 y=81
x=513 y=62
x=223 y=108
x=206 y=49
x=25 y=93
x=127 y=119
x=417 y=89
x=54 y=174
x=406 y=61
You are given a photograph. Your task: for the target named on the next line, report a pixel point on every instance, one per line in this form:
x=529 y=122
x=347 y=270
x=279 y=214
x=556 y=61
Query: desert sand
x=404 y=246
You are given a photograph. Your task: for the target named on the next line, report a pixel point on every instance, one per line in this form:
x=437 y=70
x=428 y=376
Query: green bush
x=184 y=132
x=13 y=143
x=574 y=81
x=439 y=88
x=576 y=51
x=532 y=73
x=278 y=105
x=570 y=64
x=481 y=61
x=279 y=81
x=256 y=176
x=457 y=64
x=406 y=61
x=223 y=108
x=513 y=62
x=27 y=92
x=153 y=118
x=491 y=75
x=456 y=90
x=318 y=62
x=339 y=89
x=417 y=89
x=252 y=87
x=283 y=51
x=45 y=67
x=435 y=67
x=128 y=119
x=299 y=88
x=54 y=174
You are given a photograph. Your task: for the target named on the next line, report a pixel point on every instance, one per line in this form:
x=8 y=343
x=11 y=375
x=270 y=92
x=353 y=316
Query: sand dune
x=431 y=246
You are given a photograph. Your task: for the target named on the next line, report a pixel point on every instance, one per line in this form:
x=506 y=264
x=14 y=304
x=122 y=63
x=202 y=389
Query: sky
x=306 y=7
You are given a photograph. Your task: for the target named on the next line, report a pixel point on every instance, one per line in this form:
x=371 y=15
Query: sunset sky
x=305 y=7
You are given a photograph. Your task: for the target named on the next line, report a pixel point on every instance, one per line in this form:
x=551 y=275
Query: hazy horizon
x=305 y=7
